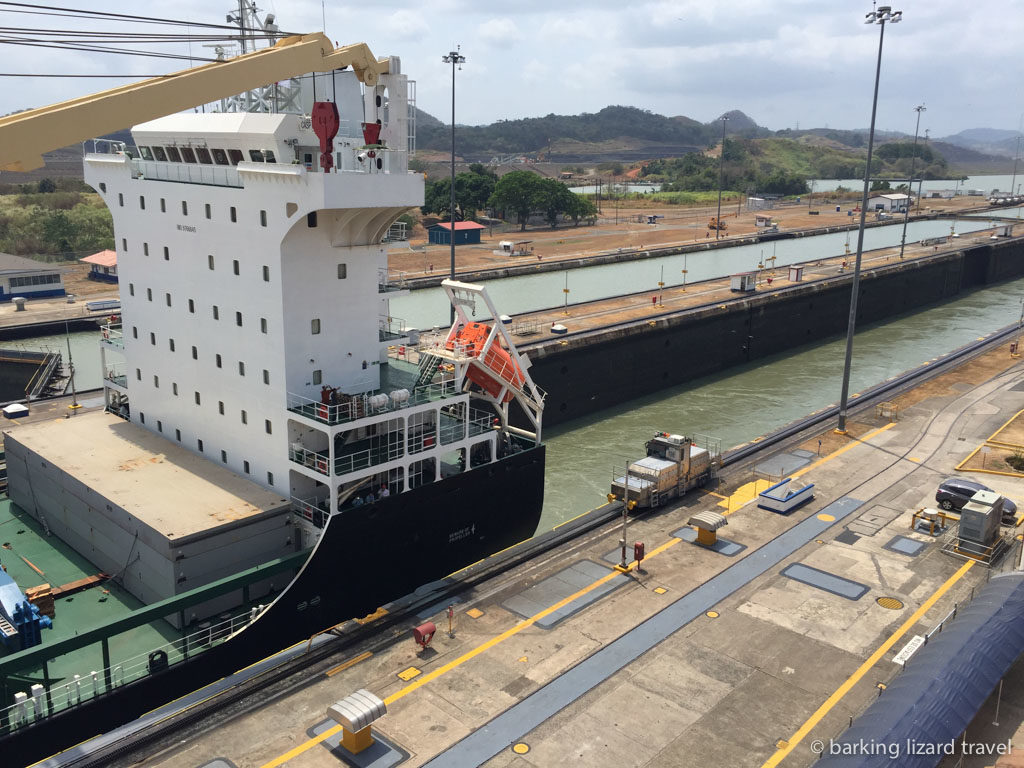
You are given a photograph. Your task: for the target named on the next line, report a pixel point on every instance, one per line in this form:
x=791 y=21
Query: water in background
x=747 y=402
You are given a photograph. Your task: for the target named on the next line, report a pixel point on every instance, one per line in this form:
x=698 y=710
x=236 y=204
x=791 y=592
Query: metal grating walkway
x=512 y=724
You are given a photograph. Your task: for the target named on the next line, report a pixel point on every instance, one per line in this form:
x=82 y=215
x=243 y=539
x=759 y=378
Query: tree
x=472 y=191
x=46 y=186
x=880 y=186
x=580 y=207
x=517 y=192
x=553 y=199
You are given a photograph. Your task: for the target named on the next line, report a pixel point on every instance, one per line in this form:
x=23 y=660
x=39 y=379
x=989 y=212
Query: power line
x=34 y=74
x=119 y=16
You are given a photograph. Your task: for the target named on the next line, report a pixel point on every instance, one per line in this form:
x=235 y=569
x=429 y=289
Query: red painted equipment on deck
x=325 y=125
x=424 y=633
x=371 y=133
x=638 y=551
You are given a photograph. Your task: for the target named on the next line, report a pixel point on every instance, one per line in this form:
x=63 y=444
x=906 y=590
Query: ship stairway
x=429 y=363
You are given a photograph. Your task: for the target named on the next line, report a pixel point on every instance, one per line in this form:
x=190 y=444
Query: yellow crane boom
x=25 y=136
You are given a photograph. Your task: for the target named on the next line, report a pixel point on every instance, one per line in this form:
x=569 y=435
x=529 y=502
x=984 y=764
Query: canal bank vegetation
x=783 y=166
x=58 y=220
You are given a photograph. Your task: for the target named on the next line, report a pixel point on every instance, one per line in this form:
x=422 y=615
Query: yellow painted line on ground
x=1009 y=421
x=350 y=663
x=855 y=442
x=863 y=669
x=748 y=492
x=969 y=457
x=717 y=495
x=471 y=654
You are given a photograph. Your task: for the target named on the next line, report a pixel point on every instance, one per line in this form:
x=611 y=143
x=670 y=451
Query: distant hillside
x=990 y=141
x=532 y=136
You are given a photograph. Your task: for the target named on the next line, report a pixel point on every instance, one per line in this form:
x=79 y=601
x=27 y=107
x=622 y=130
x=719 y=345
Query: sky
x=785 y=63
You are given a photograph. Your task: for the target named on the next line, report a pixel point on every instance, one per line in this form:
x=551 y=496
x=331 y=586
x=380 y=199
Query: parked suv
x=957 y=491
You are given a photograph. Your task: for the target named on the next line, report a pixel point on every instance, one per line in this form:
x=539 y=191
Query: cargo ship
x=255 y=334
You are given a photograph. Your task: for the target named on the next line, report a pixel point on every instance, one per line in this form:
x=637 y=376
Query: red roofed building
x=466 y=233
x=103 y=266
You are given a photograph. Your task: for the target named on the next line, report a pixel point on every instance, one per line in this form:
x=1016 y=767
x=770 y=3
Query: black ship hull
x=365 y=558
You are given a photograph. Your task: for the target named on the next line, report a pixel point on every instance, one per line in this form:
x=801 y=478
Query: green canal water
x=747 y=402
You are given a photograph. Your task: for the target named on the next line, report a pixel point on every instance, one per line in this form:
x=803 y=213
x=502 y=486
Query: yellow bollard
x=706 y=538
x=358 y=741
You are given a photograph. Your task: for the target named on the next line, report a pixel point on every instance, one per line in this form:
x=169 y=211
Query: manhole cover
x=889 y=602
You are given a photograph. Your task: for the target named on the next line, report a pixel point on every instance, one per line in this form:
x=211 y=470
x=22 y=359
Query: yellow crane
x=25 y=136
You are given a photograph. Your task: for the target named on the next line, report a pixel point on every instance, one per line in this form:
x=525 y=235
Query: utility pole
x=721 y=179
x=455 y=59
x=910 y=182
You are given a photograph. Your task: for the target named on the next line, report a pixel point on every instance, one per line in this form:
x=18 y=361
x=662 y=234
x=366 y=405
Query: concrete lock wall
x=586 y=373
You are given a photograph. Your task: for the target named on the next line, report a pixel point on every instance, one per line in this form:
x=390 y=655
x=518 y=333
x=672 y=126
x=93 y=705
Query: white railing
x=39 y=703
x=311 y=459
x=311 y=509
x=112 y=333
x=390 y=327
x=116 y=373
x=359 y=406
x=370 y=457
x=188 y=173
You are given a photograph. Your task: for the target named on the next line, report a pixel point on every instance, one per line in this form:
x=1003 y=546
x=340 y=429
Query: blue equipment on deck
x=20 y=623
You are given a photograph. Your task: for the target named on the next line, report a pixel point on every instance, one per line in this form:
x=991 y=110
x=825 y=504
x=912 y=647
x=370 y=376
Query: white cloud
x=407 y=25
x=502 y=33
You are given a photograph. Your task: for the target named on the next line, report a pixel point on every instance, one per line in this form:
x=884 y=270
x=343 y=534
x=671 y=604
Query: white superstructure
x=255 y=327
x=253 y=278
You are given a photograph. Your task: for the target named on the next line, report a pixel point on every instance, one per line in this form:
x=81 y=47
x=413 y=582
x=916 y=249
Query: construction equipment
x=719 y=224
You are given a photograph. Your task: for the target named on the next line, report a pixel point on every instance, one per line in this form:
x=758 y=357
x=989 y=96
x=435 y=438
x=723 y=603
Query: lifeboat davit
x=495 y=370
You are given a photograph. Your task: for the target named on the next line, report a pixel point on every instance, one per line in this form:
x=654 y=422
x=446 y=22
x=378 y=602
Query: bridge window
x=204 y=156
x=256 y=155
x=146 y=153
x=172 y=155
x=188 y=155
x=269 y=155
x=159 y=154
x=220 y=157
x=235 y=156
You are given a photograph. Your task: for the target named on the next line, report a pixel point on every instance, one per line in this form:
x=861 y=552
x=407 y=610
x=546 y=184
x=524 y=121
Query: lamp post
x=455 y=59
x=1013 y=180
x=879 y=16
x=910 y=182
x=721 y=179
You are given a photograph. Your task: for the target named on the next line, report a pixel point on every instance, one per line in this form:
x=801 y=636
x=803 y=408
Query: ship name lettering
x=186 y=228
x=461 y=533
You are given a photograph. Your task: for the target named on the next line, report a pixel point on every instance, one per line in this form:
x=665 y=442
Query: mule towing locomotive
x=423 y=451
x=674 y=464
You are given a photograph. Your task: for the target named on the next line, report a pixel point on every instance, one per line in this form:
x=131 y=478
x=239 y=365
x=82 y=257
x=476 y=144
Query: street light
x=455 y=59
x=878 y=16
x=910 y=182
x=1016 y=155
x=721 y=178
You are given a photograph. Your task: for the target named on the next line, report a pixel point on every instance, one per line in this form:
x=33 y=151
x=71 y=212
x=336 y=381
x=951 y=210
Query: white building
x=28 y=278
x=896 y=201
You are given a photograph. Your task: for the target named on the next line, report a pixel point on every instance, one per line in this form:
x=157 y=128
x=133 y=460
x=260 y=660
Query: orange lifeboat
x=496 y=369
